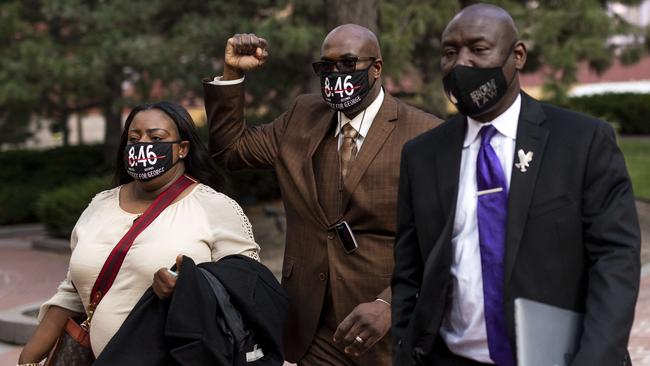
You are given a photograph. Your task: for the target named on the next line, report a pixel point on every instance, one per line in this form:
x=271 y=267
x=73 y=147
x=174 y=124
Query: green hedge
x=630 y=112
x=637 y=158
x=59 y=209
x=27 y=174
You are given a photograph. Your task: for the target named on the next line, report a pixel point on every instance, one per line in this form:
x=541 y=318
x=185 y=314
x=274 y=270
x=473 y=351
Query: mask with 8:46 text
x=148 y=160
x=343 y=91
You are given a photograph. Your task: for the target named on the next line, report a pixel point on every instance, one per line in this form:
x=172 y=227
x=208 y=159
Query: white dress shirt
x=463 y=328
x=361 y=122
x=217 y=81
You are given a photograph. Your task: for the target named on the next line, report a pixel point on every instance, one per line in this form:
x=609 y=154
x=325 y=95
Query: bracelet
x=28 y=364
x=382 y=300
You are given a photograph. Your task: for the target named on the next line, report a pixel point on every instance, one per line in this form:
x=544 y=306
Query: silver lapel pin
x=524 y=160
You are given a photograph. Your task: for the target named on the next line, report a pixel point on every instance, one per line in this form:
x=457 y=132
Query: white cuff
x=217 y=81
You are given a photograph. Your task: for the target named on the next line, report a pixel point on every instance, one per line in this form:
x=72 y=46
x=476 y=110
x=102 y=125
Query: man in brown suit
x=336 y=157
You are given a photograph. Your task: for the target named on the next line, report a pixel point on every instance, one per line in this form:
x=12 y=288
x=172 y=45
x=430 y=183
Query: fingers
x=261 y=54
x=344 y=328
x=365 y=326
x=179 y=261
x=163 y=284
x=355 y=330
x=244 y=52
x=362 y=343
x=360 y=336
x=247 y=44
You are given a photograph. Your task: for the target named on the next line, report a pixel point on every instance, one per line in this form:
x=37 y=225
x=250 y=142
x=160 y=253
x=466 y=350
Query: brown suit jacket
x=313 y=254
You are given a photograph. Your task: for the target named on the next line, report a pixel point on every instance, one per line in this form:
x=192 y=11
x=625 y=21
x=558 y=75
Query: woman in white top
x=159 y=144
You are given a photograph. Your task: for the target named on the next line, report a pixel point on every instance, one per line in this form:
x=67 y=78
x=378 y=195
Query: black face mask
x=476 y=90
x=343 y=91
x=148 y=160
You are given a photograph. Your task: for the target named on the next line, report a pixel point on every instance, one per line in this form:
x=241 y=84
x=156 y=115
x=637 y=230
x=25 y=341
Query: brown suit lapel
x=316 y=136
x=381 y=128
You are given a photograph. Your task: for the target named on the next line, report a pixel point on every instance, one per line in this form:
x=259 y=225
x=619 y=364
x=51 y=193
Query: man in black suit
x=512 y=198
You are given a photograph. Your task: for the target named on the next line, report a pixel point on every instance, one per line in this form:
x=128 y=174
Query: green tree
x=65 y=56
x=59 y=57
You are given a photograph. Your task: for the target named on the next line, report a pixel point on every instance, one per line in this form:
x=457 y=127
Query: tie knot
x=487 y=133
x=349 y=131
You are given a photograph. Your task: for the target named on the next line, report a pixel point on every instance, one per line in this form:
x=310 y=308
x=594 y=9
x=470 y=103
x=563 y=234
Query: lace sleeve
x=232 y=232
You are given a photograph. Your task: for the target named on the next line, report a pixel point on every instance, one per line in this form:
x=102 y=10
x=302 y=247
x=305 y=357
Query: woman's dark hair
x=198 y=162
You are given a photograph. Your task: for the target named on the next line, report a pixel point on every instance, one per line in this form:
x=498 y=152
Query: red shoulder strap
x=114 y=261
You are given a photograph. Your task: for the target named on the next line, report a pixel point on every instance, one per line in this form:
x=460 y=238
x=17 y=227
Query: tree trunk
x=113 y=118
x=63 y=124
x=362 y=12
x=80 y=132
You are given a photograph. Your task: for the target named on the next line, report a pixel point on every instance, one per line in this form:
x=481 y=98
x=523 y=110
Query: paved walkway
x=640 y=338
x=28 y=276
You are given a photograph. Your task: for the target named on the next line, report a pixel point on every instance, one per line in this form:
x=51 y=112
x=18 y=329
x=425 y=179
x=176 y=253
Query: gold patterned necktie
x=348 y=148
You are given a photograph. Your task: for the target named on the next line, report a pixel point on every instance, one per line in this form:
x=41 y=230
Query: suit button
x=322 y=276
x=330 y=236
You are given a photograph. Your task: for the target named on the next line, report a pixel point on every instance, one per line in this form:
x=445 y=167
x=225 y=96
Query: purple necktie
x=492 y=213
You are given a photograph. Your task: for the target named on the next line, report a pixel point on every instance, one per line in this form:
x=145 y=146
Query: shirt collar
x=506 y=123
x=367 y=116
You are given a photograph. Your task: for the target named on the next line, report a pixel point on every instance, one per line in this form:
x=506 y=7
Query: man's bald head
x=352 y=38
x=484 y=36
x=360 y=45
x=489 y=15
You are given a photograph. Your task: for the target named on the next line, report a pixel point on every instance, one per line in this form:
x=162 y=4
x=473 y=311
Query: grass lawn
x=637 y=157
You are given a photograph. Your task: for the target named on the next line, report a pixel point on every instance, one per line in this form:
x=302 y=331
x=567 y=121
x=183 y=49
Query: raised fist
x=244 y=52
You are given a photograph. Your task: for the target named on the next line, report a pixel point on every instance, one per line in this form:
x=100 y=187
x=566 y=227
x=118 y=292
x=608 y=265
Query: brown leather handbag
x=73 y=346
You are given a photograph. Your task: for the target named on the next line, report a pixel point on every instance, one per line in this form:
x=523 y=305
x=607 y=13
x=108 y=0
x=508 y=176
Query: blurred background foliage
x=58 y=57
x=62 y=57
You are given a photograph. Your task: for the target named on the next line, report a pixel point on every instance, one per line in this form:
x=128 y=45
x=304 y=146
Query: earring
x=180 y=156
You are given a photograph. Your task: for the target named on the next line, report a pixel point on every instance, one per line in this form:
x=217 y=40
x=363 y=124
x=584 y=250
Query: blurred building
x=638 y=14
x=619 y=78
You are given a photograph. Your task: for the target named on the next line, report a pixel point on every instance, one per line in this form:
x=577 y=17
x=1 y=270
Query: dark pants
x=442 y=356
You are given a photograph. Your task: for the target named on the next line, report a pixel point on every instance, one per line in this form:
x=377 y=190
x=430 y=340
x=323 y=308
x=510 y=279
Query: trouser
x=442 y=356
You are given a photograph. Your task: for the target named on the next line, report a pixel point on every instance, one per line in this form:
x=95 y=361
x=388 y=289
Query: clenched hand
x=164 y=282
x=243 y=52
x=363 y=327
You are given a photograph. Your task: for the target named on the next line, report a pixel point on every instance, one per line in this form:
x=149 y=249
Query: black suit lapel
x=531 y=137
x=436 y=269
x=448 y=162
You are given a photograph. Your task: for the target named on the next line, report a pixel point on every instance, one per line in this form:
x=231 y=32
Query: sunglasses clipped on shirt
x=347 y=64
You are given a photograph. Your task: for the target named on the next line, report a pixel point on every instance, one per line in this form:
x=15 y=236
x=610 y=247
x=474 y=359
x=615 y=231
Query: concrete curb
x=52 y=244
x=645 y=270
x=15 y=326
x=12 y=231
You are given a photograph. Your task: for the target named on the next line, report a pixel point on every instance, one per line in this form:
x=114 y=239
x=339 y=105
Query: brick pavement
x=26 y=276
x=640 y=338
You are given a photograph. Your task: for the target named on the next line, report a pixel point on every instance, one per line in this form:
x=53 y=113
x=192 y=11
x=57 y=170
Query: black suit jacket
x=188 y=328
x=572 y=236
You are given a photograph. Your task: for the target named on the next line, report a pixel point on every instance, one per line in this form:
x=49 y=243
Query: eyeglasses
x=347 y=64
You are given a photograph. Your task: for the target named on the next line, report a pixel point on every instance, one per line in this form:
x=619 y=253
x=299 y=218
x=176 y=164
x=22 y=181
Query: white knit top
x=204 y=225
